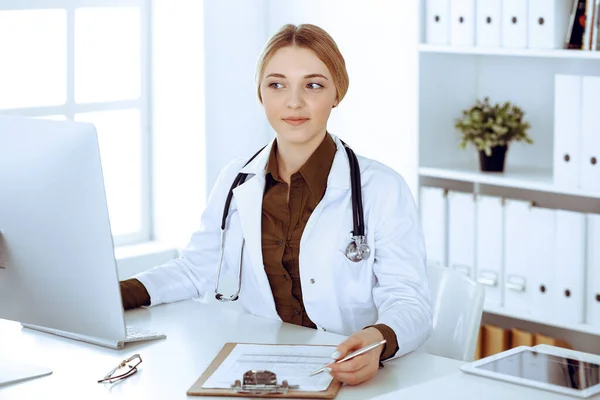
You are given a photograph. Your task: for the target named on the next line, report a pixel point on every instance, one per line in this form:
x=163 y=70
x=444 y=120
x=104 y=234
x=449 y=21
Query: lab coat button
x=312 y=281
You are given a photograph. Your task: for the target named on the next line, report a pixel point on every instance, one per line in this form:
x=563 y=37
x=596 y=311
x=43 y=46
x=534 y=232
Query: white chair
x=457 y=304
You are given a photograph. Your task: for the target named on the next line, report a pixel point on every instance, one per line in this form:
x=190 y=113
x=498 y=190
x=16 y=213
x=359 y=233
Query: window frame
x=70 y=108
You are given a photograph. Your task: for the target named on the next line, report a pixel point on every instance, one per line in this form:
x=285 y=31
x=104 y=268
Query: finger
x=347 y=346
x=351 y=365
x=356 y=377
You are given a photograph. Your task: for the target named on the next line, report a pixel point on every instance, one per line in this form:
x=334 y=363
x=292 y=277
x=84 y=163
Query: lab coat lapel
x=338 y=184
x=248 y=199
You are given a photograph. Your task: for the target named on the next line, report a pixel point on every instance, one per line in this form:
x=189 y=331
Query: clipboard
x=197 y=390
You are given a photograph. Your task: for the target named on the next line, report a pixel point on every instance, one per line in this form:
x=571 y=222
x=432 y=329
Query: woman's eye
x=275 y=85
x=314 y=86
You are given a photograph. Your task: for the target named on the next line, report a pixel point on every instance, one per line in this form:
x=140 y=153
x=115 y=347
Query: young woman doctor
x=289 y=224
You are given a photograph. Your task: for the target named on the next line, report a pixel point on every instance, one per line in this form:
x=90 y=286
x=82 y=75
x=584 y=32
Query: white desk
x=461 y=386
x=195 y=334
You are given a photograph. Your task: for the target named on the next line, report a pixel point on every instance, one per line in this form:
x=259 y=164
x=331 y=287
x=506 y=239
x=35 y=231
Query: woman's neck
x=291 y=157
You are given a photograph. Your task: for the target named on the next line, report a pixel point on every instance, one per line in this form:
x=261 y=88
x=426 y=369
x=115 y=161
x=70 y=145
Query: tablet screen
x=547 y=368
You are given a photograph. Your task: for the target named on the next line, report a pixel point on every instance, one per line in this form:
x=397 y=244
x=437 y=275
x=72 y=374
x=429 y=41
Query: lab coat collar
x=339 y=175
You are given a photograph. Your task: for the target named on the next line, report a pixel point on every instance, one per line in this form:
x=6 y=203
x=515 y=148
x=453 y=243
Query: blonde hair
x=313 y=38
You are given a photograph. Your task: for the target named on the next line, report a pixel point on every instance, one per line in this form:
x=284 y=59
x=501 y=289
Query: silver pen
x=350 y=356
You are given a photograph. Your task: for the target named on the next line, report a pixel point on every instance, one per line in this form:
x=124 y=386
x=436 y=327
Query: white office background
x=87 y=61
x=170 y=87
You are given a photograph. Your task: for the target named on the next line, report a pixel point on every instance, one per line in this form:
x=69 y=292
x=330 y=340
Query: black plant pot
x=495 y=162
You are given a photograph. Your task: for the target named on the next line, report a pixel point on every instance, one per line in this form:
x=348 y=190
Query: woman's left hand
x=361 y=368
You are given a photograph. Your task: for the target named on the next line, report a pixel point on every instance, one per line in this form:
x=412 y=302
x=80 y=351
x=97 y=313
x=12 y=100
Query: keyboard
x=136 y=335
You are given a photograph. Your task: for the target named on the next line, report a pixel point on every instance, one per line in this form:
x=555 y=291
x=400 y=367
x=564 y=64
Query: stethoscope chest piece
x=358 y=249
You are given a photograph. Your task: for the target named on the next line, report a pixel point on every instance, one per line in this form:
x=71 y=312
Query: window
x=87 y=60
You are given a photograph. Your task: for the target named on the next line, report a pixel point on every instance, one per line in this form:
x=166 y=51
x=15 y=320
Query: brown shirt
x=283 y=223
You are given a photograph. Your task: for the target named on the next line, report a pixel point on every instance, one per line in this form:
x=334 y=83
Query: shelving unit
x=524 y=177
x=554 y=53
x=451 y=78
x=582 y=328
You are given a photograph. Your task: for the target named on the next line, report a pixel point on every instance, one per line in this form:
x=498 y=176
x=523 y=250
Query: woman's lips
x=295 y=121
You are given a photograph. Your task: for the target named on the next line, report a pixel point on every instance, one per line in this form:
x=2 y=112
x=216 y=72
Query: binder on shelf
x=514 y=24
x=479 y=344
x=589 y=25
x=595 y=45
x=461 y=233
x=541 y=261
x=489 y=247
x=495 y=340
x=433 y=219
x=488 y=23
x=592 y=296
x=590 y=134
x=438 y=22
x=567 y=130
x=549 y=340
x=547 y=23
x=570 y=268
x=462 y=22
x=517 y=271
x=520 y=338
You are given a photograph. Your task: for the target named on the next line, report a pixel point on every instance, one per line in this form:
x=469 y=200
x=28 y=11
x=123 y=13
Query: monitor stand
x=17 y=371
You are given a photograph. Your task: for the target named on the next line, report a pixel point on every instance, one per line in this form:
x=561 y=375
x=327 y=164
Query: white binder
x=547 y=25
x=567 y=130
x=434 y=222
x=489 y=247
x=461 y=232
x=488 y=23
x=438 y=22
x=541 y=260
x=592 y=302
x=517 y=271
x=590 y=134
x=569 y=267
x=462 y=22
x=514 y=24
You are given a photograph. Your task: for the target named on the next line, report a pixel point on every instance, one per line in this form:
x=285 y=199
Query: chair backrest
x=457 y=304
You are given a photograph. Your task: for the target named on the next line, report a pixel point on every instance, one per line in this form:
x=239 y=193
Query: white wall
x=178 y=146
x=235 y=33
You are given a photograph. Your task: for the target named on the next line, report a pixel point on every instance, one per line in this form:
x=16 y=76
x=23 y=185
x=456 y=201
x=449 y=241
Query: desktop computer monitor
x=57 y=260
x=57 y=267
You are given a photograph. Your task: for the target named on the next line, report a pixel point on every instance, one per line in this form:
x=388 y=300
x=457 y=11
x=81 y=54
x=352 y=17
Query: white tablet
x=542 y=369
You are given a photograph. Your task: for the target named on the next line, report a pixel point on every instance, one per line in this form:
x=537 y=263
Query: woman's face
x=298 y=94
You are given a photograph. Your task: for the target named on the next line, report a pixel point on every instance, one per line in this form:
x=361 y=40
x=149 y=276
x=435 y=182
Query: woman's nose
x=295 y=100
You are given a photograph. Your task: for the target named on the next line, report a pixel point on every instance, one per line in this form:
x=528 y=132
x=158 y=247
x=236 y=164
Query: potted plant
x=491 y=128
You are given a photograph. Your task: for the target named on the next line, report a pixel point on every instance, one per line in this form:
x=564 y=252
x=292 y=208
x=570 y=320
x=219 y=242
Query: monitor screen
x=546 y=368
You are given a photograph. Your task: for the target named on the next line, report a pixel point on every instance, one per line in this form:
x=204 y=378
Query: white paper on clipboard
x=291 y=363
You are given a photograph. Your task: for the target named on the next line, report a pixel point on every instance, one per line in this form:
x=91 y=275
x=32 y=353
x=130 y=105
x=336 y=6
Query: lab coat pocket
x=354 y=280
x=359 y=317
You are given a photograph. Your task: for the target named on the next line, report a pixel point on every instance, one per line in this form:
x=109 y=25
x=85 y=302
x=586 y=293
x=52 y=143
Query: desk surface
x=195 y=334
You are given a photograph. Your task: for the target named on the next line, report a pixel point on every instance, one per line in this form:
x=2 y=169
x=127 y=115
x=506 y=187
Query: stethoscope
x=357 y=250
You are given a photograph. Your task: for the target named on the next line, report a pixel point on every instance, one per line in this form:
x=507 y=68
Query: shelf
x=583 y=328
x=551 y=53
x=518 y=177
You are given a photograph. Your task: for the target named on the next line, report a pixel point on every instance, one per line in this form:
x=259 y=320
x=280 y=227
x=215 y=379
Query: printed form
x=291 y=363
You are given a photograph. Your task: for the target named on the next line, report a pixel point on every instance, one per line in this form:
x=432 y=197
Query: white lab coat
x=340 y=296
